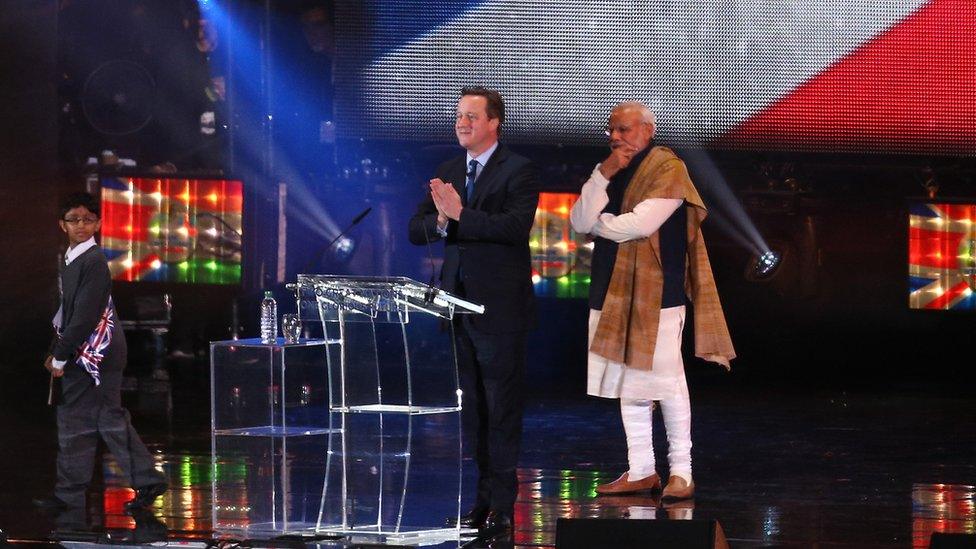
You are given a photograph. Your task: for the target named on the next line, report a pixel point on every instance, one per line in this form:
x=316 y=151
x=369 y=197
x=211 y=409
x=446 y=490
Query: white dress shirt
x=482 y=160
x=73 y=253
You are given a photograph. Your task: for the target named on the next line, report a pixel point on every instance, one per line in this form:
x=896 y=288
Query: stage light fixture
x=764 y=266
x=341 y=251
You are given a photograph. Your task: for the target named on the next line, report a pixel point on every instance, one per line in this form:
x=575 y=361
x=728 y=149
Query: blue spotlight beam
x=737 y=220
x=250 y=51
x=716 y=216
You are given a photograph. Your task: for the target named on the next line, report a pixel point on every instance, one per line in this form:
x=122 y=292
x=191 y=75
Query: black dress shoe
x=475 y=518
x=498 y=524
x=145 y=496
x=148 y=528
x=49 y=503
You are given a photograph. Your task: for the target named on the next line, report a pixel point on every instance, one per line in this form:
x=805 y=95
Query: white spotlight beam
x=725 y=201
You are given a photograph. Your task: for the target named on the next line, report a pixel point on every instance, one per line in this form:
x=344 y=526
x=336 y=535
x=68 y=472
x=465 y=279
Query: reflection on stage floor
x=785 y=471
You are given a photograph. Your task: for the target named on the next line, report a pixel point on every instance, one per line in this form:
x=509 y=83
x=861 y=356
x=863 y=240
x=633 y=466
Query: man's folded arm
x=645 y=220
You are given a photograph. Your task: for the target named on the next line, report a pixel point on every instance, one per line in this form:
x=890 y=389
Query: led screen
x=942 y=256
x=832 y=75
x=172 y=230
x=560 y=256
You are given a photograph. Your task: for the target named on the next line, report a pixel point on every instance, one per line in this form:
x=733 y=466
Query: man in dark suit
x=88 y=355
x=483 y=205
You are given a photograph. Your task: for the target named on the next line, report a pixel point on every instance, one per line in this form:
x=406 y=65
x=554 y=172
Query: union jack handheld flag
x=92 y=351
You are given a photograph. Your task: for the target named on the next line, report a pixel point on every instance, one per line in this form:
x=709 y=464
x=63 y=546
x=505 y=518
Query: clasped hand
x=446 y=200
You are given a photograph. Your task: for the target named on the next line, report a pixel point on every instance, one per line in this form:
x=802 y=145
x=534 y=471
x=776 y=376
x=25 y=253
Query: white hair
x=647 y=115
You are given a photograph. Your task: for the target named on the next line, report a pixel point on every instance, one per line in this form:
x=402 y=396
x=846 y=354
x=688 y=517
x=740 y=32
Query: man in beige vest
x=649 y=260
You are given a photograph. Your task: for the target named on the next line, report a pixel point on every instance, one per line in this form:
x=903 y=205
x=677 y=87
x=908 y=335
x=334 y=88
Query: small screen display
x=942 y=256
x=172 y=229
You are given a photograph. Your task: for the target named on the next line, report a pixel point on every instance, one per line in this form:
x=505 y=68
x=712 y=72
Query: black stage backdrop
x=29 y=192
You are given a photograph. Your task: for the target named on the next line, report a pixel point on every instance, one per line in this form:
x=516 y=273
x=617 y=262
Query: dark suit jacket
x=489 y=246
x=86 y=285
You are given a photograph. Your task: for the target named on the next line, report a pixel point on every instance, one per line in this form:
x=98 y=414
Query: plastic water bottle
x=269 y=318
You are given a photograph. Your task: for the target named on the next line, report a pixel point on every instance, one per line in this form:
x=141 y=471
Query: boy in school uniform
x=88 y=354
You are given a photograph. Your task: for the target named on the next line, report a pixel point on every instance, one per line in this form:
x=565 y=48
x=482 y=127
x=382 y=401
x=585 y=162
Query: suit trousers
x=491 y=367
x=86 y=414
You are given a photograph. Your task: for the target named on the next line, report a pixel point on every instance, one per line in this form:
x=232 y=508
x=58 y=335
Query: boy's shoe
x=49 y=503
x=145 y=496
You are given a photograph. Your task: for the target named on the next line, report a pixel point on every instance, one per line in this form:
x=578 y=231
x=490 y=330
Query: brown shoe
x=678 y=488
x=625 y=486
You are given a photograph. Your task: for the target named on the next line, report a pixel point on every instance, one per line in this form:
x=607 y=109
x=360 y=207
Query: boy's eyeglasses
x=77 y=220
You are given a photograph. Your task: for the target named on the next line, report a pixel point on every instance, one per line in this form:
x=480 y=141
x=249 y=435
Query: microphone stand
x=355 y=221
x=431 y=290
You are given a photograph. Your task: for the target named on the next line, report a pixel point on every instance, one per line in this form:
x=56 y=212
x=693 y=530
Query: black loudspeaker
x=639 y=534
x=952 y=541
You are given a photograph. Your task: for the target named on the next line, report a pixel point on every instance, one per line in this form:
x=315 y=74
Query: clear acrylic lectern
x=356 y=434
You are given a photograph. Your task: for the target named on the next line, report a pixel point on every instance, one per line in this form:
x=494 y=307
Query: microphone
x=431 y=290
x=355 y=221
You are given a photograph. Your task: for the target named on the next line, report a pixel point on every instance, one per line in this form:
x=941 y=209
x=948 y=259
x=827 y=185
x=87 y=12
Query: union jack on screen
x=172 y=229
x=942 y=256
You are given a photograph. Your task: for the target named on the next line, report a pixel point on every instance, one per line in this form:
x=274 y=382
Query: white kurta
x=605 y=378
x=666 y=378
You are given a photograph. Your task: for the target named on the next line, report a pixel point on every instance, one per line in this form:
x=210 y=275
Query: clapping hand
x=446 y=199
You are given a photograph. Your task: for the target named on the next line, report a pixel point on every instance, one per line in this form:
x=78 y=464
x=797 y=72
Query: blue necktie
x=469 y=183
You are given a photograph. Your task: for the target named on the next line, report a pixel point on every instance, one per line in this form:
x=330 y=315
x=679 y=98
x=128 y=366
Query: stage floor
x=775 y=470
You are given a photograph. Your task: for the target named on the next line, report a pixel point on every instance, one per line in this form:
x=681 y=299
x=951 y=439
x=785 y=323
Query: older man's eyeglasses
x=83 y=220
x=620 y=128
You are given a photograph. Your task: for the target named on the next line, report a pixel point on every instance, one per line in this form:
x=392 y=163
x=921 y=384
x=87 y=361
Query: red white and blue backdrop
x=878 y=76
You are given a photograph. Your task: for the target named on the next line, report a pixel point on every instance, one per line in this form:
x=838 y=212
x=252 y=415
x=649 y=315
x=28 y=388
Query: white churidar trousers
x=637 y=390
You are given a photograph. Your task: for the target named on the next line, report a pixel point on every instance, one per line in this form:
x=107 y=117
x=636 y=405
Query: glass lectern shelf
x=271 y=426
x=396 y=409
